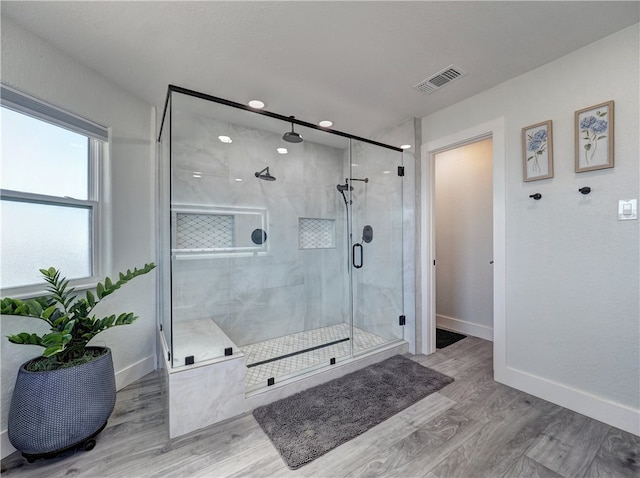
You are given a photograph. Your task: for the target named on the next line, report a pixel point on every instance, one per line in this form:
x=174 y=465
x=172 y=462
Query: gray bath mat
x=308 y=424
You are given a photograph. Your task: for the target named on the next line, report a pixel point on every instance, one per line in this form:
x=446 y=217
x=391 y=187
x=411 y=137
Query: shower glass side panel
x=376 y=245
x=163 y=238
x=258 y=242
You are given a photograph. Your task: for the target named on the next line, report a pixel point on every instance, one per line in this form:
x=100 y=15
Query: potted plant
x=63 y=398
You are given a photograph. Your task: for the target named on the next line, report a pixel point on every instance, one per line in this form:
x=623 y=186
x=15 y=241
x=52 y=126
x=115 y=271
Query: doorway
x=426 y=343
x=463 y=235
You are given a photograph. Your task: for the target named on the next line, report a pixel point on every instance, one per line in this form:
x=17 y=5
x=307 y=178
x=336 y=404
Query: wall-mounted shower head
x=264 y=174
x=342 y=188
x=292 y=136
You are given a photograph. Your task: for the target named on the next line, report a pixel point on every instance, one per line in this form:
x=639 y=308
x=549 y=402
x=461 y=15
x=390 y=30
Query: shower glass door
x=376 y=245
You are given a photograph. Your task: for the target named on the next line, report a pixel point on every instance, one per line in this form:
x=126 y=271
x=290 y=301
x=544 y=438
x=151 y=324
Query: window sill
x=39 y=290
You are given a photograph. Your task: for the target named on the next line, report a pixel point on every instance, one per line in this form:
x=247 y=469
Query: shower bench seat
x=211 y=389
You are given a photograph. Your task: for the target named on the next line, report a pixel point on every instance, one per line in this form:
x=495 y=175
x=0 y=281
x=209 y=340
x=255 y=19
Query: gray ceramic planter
x=55 y=411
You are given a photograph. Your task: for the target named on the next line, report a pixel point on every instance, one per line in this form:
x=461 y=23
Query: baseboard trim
x=464 y=327
x=136 y=371
x=6 y=448
x=611 y=413
x=124 y=377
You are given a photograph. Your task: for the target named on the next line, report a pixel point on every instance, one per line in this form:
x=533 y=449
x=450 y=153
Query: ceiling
x=355 y=63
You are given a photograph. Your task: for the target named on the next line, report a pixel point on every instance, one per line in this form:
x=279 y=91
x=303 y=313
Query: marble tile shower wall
x=287 y=290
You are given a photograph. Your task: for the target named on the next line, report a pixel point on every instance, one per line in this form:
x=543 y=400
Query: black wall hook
x=536 y=196
x=585 y=190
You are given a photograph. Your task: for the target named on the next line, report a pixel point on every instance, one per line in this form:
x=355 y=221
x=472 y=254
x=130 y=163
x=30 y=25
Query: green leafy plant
x=71 y=319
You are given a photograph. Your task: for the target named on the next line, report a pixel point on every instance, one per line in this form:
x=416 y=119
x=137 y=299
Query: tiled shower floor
x=282 y=368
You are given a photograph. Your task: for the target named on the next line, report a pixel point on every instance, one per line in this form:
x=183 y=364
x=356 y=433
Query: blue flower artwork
x=593 y=128
x=594 y=137
x=537 y=151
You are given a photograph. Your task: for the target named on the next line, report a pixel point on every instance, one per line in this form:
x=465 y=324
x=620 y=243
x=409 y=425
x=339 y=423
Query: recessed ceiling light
x=406 y=146
x=282 y=150
x=197 y=174
x=225 y=139
x=354 y=165
x=257 y=104
x=238 y=179
x=386 y=172
x=326 y=123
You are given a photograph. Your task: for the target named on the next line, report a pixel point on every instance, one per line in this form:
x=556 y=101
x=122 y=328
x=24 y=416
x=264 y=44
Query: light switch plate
x=627 y=209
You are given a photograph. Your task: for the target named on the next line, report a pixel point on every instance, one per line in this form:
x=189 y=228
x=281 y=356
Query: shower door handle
x=353 y=255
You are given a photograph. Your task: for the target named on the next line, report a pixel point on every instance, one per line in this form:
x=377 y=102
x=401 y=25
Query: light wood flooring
x=472 y=428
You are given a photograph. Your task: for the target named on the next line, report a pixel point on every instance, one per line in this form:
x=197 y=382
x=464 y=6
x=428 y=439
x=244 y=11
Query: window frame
x=97 y=152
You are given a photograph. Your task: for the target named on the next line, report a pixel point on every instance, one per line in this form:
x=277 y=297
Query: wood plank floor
x=472 y=428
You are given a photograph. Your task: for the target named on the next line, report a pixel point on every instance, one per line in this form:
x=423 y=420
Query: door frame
x=454 y=322
x=496 y=130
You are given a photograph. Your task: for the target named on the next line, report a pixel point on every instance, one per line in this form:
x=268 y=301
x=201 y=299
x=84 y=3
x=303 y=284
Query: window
x=50 y=166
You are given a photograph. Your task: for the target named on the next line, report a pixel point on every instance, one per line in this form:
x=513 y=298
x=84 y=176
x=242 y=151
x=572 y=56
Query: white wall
x=572 y=299
x=30 y=65
x=464 y=239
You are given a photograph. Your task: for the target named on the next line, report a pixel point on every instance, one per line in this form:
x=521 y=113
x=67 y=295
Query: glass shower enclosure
x=288 y=252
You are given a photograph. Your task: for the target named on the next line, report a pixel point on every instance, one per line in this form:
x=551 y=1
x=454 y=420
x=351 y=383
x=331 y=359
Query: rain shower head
x=264 y=175
x=292 y=136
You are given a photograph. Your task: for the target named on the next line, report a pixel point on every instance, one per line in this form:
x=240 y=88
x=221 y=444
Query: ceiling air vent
x=437 y=81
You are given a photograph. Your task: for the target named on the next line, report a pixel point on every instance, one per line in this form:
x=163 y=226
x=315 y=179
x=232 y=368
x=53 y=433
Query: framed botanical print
x=537 y=151
x=594 y=137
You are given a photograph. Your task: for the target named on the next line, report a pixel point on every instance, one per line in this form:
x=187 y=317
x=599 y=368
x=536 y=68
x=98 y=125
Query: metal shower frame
x=286 y=119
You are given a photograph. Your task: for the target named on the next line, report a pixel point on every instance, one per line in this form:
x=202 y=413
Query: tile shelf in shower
x=316 y=233
x=207 y=231
x=187 y=254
